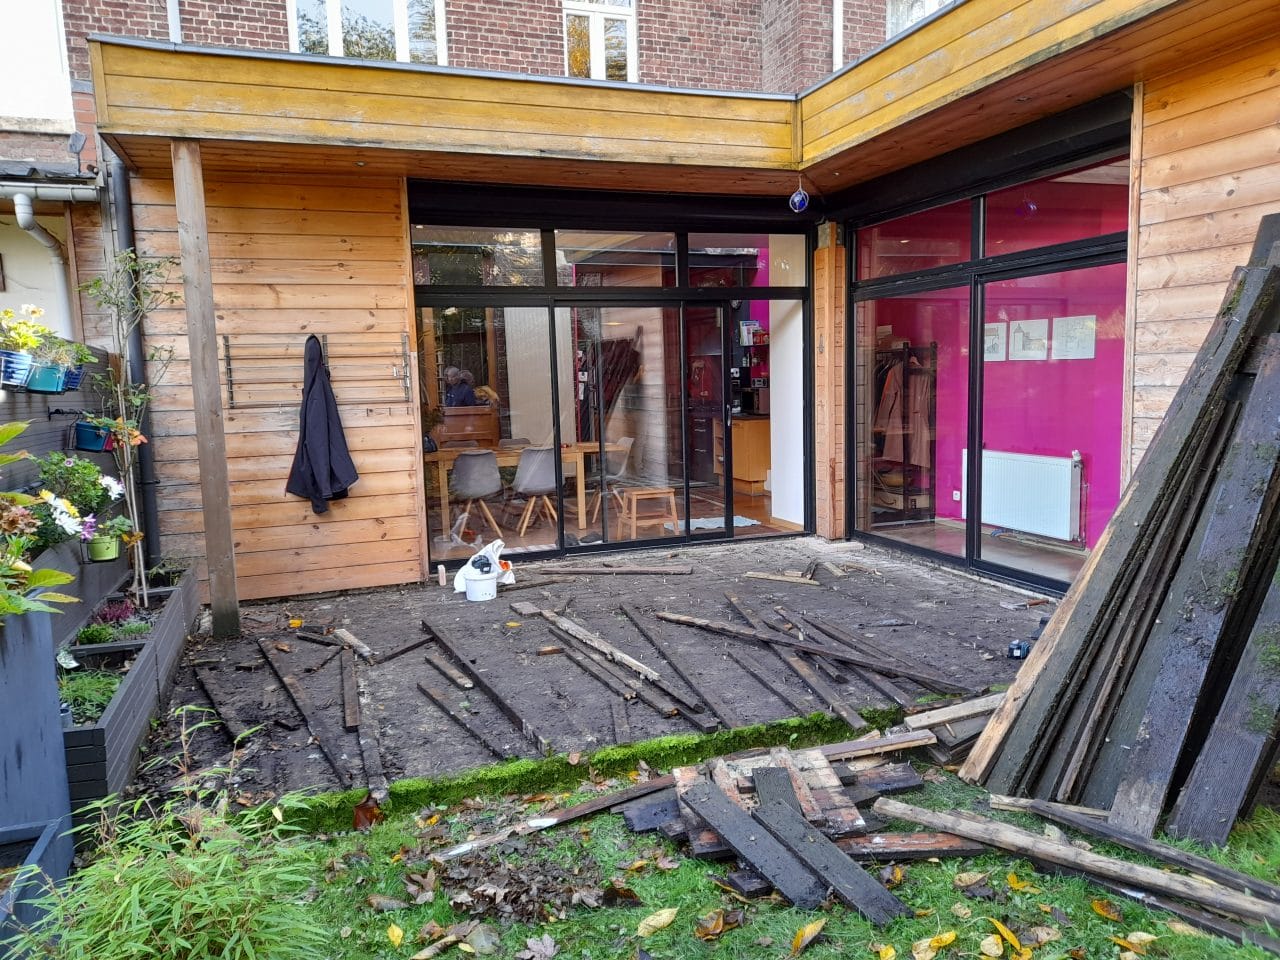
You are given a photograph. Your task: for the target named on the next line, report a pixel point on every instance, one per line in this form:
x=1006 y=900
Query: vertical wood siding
x=291 y=257
x=1210 y=170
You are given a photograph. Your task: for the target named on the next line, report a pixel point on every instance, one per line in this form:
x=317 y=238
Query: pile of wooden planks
x=1155 y=688
x=791 y=819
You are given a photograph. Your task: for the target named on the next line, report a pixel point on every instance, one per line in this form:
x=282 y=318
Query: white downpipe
x=27 y=221
x=837 y=34
x=174 y=11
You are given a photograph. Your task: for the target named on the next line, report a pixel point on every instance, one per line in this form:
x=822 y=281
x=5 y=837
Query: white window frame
x=898 y=14
x=400 y=19
x=597 y=13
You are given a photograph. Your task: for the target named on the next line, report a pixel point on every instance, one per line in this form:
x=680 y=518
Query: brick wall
x=797 y=43
x=863 y=27
x=121 y=18
x=512 y=36
x=703 y=44
x=39 y=148
x=256 y=24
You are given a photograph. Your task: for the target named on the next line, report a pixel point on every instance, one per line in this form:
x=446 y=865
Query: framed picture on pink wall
x=995 y=338
x=1029 y=339
x=1074 y=338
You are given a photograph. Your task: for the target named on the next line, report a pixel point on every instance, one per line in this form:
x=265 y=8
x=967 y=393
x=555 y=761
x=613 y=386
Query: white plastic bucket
x=480 y=586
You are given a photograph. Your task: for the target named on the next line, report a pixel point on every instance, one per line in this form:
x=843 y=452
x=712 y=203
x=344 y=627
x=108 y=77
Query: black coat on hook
x=322 y=467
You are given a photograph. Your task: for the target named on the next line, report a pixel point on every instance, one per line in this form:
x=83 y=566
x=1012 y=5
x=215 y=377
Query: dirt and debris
x=939 y=619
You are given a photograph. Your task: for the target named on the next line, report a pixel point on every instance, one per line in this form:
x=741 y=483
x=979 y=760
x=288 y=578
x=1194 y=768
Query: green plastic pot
x=103 y=547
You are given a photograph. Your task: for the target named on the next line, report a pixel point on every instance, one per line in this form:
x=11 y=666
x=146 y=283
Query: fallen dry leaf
x=295 y=623
x=616 y=895
x=483 y=940
x=636 y=865
x=1128 y=945
x=1037 y=936
x=539 y=948
x=806 y=935
x=884 y=951
x=991 y=946
x=764 y=941
x=1021 y=886
x=665 y=863
x=1141 y=937
x=922 y=950
x=1185 y=929
x=575 y=758
x=385 y=904
x=716 y=923
x=395 y=935
x=1077 y=953
x=1105 y=908
x=1006 y=933
x=421 y=886
x=893 y=876
x=366 y=814
x=925 y=913
x=656 y=921
x=961 y=911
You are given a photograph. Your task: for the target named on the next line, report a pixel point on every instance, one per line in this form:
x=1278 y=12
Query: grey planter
x=45 y=850
x=101 y=758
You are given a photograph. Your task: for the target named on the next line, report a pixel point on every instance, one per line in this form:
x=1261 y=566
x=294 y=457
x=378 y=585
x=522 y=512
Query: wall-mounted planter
x=105 y=546
x=102 y=757
x=73 y=379
x=43 y=853
x=46 y=377
x=15 y=365
x=91 y=437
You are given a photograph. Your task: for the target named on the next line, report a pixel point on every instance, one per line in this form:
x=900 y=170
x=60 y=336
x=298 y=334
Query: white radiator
x=1028 y=493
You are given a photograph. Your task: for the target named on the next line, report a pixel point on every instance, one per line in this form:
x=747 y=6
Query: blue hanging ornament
x=799 y=201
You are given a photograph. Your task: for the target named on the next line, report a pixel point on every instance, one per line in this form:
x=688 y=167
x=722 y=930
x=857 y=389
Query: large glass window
x=600 y=39
x=410 y=31
x=476 y=256
x=746 y=260
x=602 y=258
x=1044 y=374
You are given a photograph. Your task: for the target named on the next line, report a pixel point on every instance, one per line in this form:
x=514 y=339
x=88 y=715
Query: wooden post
x=197 y=284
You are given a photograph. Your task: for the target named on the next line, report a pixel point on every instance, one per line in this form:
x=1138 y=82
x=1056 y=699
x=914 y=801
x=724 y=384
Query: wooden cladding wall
x=1210 y=170
x=829 y=294
x=157 y=91
x=292 y=256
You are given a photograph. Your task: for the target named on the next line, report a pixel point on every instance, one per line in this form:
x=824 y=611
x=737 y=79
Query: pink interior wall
x=1042 y=407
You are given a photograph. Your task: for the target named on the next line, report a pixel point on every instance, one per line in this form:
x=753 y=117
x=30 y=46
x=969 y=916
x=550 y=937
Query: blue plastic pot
x=92 y=438
x=46 y=377
x=73 y=378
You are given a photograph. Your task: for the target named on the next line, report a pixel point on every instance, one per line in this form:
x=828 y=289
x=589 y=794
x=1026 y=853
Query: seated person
x=458 y=391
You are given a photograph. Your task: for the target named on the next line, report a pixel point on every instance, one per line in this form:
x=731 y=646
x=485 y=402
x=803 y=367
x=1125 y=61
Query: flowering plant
x=20 y=331
x=23 y=589
x=73 y=491
x=117 y=526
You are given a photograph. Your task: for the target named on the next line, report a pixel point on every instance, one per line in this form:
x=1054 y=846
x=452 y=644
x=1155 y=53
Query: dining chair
x=536 y=480
x=615 y=468
x=476 y=476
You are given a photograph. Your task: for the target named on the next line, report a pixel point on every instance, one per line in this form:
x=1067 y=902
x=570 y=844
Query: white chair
x=615 y=468
x=476 y=476
x=536 y=480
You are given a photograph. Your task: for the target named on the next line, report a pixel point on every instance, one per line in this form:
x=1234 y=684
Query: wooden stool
x=633 y=497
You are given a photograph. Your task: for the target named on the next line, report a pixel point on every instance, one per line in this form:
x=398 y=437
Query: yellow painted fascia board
x=157 y=90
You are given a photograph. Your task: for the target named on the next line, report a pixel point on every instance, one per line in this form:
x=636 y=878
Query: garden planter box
x=93 y=582
x=44 y=851
x=101 y=758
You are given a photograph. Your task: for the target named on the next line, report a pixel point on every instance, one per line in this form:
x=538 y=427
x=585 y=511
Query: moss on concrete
x=333 y=811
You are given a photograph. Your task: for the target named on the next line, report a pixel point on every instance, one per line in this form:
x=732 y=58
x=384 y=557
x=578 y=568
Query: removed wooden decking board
x=887 y=847
x=437 y=696
x=681 y=571
x=350 y=692
x=757 y=846
x=881 y=782
x=809 y=805
x=840 y=816
x=223 y=703
x=591 y=639
x=621 y=723
x=852 y=885
x=703 y=841
x=649 y=813
x=954 y=712
x=328 y=739
x=774 y=784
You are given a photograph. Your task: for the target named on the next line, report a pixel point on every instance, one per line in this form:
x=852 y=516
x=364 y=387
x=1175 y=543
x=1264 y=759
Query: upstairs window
x=600 y=39
x=900 y=14
x=410 y=31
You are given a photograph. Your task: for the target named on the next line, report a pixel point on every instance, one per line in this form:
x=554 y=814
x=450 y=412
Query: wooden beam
x=206 y=389
x=317 y=723
x=684 y=670
x=1028 y=844
x=350 y=692
x=891 y=847
x=953 y=712
x=437 y=696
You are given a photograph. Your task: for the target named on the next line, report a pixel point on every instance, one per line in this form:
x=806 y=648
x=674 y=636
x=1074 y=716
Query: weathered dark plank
x=456 y=677
x=773 y=784
x=819 y=686
x=747 y=883
x=317 y=723
x=1202 y=598
x=875 y=654
x=1239 y=750
x=437 y=697
x=840 y=816
x=810 y=808
x=769 y=681
x=401 y=650
x=998 y=759
x=479 y=678
x=852 y=749
x=350 y=693
x=881 y=782
x=621 y=724
x=591 y=667
x=1172 y=855
x=888 y=847
x=852 y=885
x=758 y=847
x=211 y=681
x=703 y=842
x=685 y=670
x=651 y=812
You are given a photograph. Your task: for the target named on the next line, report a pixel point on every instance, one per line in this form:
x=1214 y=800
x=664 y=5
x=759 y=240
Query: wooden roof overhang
x=980 y=68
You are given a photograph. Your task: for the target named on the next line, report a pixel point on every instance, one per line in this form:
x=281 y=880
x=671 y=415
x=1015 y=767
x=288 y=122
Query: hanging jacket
x=322 y=467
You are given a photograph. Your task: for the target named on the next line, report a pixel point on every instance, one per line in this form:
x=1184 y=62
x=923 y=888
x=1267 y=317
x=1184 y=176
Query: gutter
x=27 y=221
x=55 y=193
x=118 y=181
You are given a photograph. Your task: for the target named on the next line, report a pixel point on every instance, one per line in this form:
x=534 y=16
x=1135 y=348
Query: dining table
x=572 y=455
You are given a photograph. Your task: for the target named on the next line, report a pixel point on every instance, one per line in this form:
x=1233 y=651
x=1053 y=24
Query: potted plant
x=104 y=544
x=20 y=335
x=72 y=491
x=79 y=356
x=94 y=434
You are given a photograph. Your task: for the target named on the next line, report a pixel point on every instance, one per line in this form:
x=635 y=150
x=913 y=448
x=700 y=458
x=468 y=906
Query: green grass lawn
x=245 y=886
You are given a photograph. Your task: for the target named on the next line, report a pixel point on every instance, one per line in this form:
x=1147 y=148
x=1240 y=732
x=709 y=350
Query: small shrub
x=182 y=883
x=133 y=627
x=87 y=692
x=95 y=633
x=115 y=611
